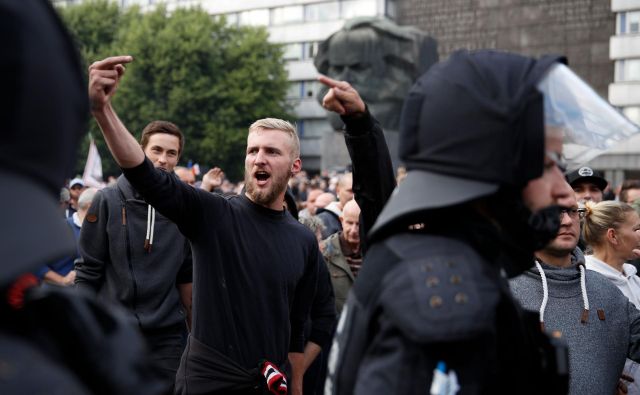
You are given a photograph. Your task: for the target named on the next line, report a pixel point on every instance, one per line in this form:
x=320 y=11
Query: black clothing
x=319 y=330
x=92 y=342
x=472 y=130
x=422 y=299
x=373 y=179
x=40 y=131
x=116 y=264
x=255 y=269
x=212 y=372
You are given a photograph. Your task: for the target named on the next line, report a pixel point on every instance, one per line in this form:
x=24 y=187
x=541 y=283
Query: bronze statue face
x=376 y=64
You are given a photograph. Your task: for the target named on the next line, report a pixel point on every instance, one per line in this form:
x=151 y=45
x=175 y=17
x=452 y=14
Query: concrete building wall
x=579 y=29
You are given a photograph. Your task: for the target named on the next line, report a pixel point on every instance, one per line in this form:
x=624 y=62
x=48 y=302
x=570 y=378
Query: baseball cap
x=587 y=174
x=76 y=181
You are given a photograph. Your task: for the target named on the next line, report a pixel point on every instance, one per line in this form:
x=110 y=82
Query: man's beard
x=265 y=197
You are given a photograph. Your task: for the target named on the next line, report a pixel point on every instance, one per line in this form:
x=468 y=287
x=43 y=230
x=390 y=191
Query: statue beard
x=266 y=197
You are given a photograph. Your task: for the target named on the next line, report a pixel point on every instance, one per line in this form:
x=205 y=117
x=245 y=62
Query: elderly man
x=330 y=214
x=342 y=253
x=256 y=266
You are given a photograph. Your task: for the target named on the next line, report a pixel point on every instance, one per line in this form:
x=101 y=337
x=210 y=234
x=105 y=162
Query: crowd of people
x=480 y=266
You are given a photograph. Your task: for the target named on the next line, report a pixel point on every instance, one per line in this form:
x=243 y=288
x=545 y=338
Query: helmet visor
x=589 y=124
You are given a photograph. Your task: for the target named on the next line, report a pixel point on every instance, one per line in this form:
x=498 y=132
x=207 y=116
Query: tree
x=211 y=79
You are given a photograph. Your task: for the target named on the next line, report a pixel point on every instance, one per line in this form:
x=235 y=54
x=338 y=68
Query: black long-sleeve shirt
x=373 y=179
x=255 y=269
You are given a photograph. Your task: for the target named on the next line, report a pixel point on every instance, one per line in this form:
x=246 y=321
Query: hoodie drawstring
x=585 y=299
x=545 y=294
x=151 y=223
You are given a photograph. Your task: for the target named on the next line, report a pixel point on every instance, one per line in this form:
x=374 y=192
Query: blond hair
x=282 y=125
x=599 y=217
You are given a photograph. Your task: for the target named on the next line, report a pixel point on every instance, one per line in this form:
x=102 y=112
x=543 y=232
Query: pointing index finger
x=331 y=83
x=112 y=61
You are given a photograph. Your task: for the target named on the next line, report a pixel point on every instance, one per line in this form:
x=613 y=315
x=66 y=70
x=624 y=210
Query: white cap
x=76 y=181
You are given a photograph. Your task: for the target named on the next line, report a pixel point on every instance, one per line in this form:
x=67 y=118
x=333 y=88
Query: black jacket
x=422 y=299
x=116 y=263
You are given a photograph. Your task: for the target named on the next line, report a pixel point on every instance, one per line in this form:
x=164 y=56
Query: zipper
x=130 y=263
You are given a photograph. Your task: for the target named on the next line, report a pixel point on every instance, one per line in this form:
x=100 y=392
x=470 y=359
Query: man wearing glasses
x=600 y=327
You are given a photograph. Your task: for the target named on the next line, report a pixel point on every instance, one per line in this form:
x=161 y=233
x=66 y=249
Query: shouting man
x=255 y=267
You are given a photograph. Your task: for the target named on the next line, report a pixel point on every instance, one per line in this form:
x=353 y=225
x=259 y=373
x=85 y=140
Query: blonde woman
x=612 y=229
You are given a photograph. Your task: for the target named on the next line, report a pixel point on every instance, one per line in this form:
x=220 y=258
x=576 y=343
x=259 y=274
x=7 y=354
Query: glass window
x=285 y=15
x=622 y=23
x=629 y=22
x=254 y=17
x=390 y=9
x=295 y=90
x=355 y=8
x=310 y=89
x=628 y=70
x=293 y=51
x=328 y=11
x=310 y=50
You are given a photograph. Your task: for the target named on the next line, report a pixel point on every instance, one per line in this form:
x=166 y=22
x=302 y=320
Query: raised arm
x=104 y=79
x=373 y=179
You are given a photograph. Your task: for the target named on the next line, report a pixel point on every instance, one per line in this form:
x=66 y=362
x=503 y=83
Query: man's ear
x=296 y=166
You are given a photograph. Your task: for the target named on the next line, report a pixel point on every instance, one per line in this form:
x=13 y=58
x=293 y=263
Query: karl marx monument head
x=381 y=60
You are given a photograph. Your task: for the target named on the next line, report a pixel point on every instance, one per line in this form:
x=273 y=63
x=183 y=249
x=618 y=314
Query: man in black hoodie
x=139 y=258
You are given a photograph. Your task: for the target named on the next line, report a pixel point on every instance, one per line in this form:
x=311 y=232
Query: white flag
x=92 y=175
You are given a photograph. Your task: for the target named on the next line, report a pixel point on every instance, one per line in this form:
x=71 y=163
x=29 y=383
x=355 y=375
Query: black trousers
x=166 y=346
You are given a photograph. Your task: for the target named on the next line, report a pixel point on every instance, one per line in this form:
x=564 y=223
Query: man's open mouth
x=261 y=177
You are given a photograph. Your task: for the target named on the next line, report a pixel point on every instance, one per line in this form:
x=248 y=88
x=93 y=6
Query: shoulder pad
x=441 y=294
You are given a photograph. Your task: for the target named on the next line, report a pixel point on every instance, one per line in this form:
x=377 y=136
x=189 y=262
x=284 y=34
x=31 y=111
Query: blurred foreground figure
x=431 y=311
x=52 y=340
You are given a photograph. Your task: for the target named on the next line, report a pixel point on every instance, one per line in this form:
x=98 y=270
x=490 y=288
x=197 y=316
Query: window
x=295 y=90
x=286 y=15
x=310 y=89
x=310 y=50
x=254 y=17
x=322 y=12
x=390 y=9
x=303 y=89
x=293 y=51
x=627 y=70
x=355 y=8
x=629 y=22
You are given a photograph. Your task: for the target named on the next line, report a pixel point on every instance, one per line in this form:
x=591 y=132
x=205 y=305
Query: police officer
x=52 y=341
x=431 y=306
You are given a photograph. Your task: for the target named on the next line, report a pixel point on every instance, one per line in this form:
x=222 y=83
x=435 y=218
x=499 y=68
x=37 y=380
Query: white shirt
x=627 y=282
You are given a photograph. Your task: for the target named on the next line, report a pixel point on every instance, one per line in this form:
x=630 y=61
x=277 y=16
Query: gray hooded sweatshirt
x=599 y=325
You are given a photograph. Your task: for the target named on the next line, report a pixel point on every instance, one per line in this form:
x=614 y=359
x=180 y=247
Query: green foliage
x=211 y=79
